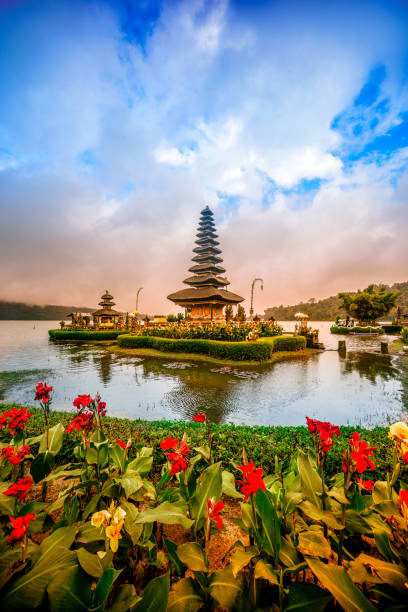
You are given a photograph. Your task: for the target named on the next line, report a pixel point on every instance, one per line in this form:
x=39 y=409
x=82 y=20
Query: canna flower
x=399 y=433
x=121 y=444
x=403 y=504
x=19 y=488
x=82 y=401
x=200 y=418
x=368 y=485
x=82 y=422
x=42 y=393
x=178 y=457
x=16 y=457
x=119 y=516
x=20 y=525
x=101 y=518
x=14 y=419
x=325 y=430
x=113 y=534
x=102 y=408
x=213 y=510
x=252 y=479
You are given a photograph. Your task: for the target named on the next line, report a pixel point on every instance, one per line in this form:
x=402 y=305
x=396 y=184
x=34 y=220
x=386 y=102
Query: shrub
x=223 y=332
x=85 y=334
x=392 y=329
x=236 y=351
x=357 y=329
x=405 y=335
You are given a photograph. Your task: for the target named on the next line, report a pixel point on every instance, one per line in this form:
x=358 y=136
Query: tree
x=370 y=304
x=241 y=315
x=229 y=314
x=180 y=317
x=171 y=318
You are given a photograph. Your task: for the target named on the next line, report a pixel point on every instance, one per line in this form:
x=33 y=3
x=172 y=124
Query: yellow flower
x=101 y=518
x=118 y=517
x=399 y=432
x=113 y=533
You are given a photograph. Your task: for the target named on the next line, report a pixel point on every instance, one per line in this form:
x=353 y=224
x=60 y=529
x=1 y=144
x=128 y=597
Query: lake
x=361 y=388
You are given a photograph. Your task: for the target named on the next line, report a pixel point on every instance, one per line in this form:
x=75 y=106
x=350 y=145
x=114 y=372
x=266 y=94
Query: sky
x=120 y=120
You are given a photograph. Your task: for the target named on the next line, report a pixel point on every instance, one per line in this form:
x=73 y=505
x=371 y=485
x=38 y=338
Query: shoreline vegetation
x=262 y=442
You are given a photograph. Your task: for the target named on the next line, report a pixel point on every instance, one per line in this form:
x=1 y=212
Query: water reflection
x=370 y=366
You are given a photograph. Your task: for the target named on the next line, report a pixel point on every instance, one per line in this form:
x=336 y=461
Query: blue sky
x=120 y=120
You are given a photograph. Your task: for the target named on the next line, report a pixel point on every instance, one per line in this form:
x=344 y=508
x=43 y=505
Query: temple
x=207 y=297
x=106 y=316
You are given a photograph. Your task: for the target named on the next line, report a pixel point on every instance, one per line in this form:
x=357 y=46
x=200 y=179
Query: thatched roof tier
x=207 y=266
x=207 y=234
x=207 y=212
x=207 y=257
x=208 y=295
x=108 y=312
x=206 y=249
x=206 y=240
x=203 y=280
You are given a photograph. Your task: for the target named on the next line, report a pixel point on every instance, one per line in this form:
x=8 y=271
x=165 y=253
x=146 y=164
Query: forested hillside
x=18 y=311
x=328 y=308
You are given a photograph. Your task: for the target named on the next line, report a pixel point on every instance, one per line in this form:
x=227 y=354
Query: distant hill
x=18 y=311
x=328 y=308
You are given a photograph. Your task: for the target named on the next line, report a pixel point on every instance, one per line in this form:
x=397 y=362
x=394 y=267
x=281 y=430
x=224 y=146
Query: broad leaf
x=184 y=597
x=390 y=573
x=266 y=571
x=142 y=465
x=193 y=556
x=55 y=438
x=270 y=523
x=288 y=554
x=90 y=563
x=155 y=596
x=42 y=465
x=228 y=486
x=167 y=513
x=104 y=586
x=311 y=482
x=336 y=580
x=130 y=484
x=70 y=590
x=64 y=536
x=209 y=485
x=306 y=597
x=314 y=543
x=225 y=588
x=316 y=514
x=240 y=559
x=171 y=548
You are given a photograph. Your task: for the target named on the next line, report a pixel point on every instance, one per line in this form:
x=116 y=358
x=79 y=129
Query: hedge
x=85 y=334
x=405 y=335
x=261 y=443
x=392 y=329
x=340 y=329
x=236 y=351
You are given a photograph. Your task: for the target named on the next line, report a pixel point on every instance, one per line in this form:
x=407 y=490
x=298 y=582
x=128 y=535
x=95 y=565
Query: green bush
x=340 y=329
x=85 y=334
x=236 y=351
x=216 y=331
x=405 y=335
x=392 y=329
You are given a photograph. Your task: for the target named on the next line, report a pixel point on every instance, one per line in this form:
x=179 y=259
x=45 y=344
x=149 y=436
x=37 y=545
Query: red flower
x=361 y=453
x=403 y=503
x=199 y=418
x=15 y=457
x=7 y=452
x=102 y=408
x=213 y=511
x=42 y=392
x=14 y=419
x=20 y=488
x=405 y=457
x=252 y=479
x=325 y=430
x=20 y=525
x=366 y=484
x=121 y=444
x=82 y=422
x=177 y=458
x=82 y=401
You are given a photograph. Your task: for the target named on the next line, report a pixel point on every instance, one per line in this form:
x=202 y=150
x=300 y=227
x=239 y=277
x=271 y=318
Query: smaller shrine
x=106 y=316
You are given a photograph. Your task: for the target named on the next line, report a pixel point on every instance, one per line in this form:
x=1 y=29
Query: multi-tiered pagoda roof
x=207 y=283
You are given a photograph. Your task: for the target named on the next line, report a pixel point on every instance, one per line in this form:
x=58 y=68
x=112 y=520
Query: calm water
x=362 y=388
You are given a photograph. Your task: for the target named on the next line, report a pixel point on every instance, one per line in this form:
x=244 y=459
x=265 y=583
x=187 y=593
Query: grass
x=261 y=443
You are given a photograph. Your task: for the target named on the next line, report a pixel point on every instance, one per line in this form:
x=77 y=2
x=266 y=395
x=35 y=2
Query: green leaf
x=125 y=598
x=319 y=515
x=184 y=597
x=130 y=484
x=225 y=588
x=380 y=492
x=192 y=555
x=88 y=533
x=266 y=571
x=103 y=588
x=42 y=465
x=7 y=503
x=155 y=596
x=228 y=486
x=270 y=523
x=355 y=522
x=117 y=456
x=336 y=580
x=314 y=543
x=389 y=573
x=55 y=438
x=382 y=542
x=167 y=513
x=70 y=590
x=240 y=559
x=131 y=527
x=142 y=465
x=64 y=536
x=306 y=597
x=310 y=480
x=171 y=548
x=7 y=559
x=288 y=554
x=90 y=563
x=209 y=485
x=248 y=517
x=91 y=506
x=27 y=592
